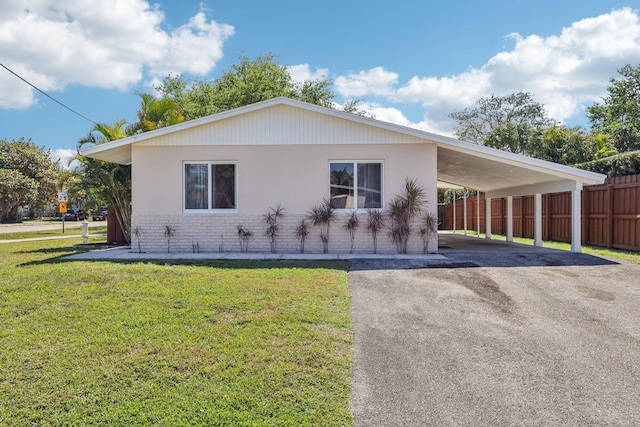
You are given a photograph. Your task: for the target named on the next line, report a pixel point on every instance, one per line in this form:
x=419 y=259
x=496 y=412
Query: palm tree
x=111 y=181
x=155 y=113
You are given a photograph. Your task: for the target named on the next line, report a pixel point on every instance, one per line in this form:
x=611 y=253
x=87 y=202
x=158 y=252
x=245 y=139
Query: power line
x=46 y=94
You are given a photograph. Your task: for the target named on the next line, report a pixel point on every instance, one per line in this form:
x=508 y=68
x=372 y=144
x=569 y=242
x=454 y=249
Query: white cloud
x=115 y=44
x=396 y=116
x=66 y=158
x=376 y=81
x=302 y=72
x=564 y=72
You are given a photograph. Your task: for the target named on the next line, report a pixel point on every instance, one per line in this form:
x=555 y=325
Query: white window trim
x=355 y=179
x=209 y=210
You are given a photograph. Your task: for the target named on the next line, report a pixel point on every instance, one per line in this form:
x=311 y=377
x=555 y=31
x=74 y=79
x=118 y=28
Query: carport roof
x=460 y=164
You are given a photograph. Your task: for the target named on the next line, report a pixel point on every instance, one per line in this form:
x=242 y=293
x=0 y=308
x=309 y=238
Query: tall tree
x=520 y=138
x=246 y=82
x=569 y=146
x=111 y=181
x=619 y=113
x=27 y=177
x=511 y=119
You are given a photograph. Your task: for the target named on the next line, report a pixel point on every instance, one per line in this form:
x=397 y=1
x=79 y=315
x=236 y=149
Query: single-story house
x=206 y=177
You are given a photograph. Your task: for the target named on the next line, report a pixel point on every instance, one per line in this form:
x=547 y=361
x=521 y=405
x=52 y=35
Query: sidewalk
x=125 y=253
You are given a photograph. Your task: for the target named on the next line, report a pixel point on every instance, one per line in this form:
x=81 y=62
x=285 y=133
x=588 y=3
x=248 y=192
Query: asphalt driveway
x=488 y=343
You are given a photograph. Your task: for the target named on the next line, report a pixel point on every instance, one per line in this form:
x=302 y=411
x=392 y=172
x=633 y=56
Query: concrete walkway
x=125 y=253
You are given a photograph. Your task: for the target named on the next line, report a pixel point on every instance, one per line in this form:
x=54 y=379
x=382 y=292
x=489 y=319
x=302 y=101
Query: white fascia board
x=527 y=190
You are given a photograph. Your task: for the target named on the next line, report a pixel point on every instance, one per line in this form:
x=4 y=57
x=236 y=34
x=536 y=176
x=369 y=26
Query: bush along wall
x=618 y=165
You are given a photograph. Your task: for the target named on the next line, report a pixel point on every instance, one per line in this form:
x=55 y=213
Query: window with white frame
x=209 y=186
x=356 y=185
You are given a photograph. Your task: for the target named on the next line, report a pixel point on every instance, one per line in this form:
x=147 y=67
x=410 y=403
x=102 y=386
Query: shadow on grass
x=230 y=264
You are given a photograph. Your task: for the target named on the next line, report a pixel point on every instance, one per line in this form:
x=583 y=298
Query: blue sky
x=410 y=62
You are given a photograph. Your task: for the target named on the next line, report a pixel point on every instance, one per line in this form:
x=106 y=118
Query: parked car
x=74 y=215
x=99 y=215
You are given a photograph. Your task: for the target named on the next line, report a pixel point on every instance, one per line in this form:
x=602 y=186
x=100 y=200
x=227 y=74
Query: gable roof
x=460 y=163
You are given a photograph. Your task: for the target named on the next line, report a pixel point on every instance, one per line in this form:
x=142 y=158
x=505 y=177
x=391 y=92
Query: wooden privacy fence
x=609 y=215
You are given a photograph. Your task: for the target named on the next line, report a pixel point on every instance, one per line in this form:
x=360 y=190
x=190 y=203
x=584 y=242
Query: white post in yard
x=487 y=216
x=85 y=232
x=464 y=206
x=537 y=220
x=576 y=220
x=510 y=219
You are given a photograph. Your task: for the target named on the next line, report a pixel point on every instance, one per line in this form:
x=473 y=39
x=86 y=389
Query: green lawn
x=200 y=343
x=52 y=233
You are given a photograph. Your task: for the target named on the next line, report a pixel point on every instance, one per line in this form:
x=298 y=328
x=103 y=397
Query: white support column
x=464 y=204
x=454 y=211
x=576 y=221
x=510 y=219
x=487 y=216
x=478 y=213
x=537 y=220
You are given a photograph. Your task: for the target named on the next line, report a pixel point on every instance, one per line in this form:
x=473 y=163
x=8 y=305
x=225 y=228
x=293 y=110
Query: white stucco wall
x=295 y=176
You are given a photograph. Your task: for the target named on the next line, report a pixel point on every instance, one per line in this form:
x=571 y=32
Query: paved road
x=44 y=226
x=557 y=343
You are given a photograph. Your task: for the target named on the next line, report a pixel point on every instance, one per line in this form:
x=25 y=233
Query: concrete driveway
x=525 y=337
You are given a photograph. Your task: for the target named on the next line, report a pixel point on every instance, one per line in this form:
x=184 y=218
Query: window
x=209 y=186
x=345 y=194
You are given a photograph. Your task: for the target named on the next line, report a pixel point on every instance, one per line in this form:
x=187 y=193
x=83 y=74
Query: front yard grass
x=200 y=343
x=52 y=233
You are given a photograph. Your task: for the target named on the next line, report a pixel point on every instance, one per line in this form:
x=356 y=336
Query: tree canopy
x=519 y=124
x=501 y=118
x=246 y=82
x=27 y=177
x=619 y=113
x=110 y=181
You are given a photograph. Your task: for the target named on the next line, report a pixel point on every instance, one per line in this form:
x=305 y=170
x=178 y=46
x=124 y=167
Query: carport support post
x=478 y=212
x=464 y=204
x=454 y=211
x=510 y=219
x=576 y=220
x=537 y=218
x=487 y=217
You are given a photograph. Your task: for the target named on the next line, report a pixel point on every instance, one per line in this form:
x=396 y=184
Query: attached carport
x=501 y=174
